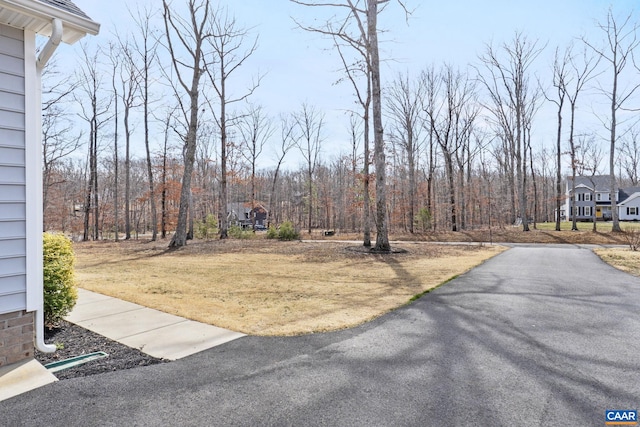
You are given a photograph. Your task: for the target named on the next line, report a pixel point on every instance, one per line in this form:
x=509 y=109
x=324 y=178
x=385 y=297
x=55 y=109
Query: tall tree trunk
x=613 y=185
x=94 y=174
x=152 y=193
x=559 y=169
x=115 y=164
x=223 y=223
x=574 y=225
x=164 y=181
x=382 y=231
x=431 y=203
x=87 y=199
x=179 y=238
x=366 y=207
x=533 y=181
x=127 y=175
x=412 y=180
x=310 y=189
x=452 y=189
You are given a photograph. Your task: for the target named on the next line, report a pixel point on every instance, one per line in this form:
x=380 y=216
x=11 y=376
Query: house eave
x=629 y=199
x=37 y=17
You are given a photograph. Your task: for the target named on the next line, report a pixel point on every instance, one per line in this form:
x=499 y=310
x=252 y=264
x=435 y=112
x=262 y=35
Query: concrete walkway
x=151 y=331
x=22 y=377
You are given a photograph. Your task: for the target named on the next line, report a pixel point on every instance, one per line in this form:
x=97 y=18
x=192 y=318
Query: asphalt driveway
x=537 y=336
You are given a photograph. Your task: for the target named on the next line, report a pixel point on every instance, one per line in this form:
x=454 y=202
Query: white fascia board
x=76 y=27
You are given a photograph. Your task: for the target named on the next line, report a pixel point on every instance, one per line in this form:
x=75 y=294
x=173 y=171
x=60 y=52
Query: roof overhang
x=584 y=186
x=629 y=199
x=36 y=16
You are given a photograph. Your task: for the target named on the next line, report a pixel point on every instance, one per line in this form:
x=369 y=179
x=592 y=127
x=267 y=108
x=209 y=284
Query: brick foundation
x=16 y=337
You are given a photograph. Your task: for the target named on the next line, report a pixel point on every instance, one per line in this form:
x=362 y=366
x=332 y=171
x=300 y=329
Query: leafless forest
x=449 y=149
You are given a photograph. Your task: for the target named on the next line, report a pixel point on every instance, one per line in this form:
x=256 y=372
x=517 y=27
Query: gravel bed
x=72 y=340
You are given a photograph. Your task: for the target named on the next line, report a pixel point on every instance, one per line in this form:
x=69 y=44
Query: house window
x=598 y=197
x=587 y=197
x=587 y=211
x=632 y=210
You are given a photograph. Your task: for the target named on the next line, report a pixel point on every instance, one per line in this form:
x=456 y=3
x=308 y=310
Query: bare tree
x=130 y=97
x=287 y=142
x=363 y=14
x=452 y=123
x=191 y=35
x=382 y=226
x=255 y=129
x=509 y=90
x=631 y=155
x=114 y=57
x=403 y=104
x=146 y=52
x=355 y=134
x=587 y=158
x=349 y=36
x=559 y=82
x=94 y=108
x=167 y=121
x=621 y=41
x=581 y=72
x=308 y=139
x=230 y=48
x=58 y=136
x=431 y=81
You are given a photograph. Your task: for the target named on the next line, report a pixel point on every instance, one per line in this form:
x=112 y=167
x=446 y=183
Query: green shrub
x=206 y=229
x=272 y=232
x=60 y=293
x=238 y=232
x=423 y=220
x=288 y=231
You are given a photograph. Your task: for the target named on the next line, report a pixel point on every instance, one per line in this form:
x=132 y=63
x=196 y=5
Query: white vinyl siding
x=13 y=267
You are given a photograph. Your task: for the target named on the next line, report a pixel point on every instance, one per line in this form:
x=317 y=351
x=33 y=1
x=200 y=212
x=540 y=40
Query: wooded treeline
x=460 y=144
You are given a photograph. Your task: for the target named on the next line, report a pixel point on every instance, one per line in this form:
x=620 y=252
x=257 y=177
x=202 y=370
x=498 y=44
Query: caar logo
x=616 y=417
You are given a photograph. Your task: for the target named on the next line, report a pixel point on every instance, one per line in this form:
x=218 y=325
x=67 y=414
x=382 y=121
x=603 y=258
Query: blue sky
x=299 y=66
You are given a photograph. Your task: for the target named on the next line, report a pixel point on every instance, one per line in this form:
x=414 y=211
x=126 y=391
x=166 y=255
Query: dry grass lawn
x=621 y=258
x=262 y=287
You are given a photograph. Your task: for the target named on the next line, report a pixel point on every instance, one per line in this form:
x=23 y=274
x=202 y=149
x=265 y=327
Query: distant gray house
x=592 y=200
x=240 y=214
x=21 y=295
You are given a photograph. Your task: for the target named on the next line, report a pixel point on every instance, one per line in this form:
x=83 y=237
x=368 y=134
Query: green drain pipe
x=74 y=361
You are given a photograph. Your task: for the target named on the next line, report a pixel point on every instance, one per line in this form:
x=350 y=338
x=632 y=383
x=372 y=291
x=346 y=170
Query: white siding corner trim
x=33 y=155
